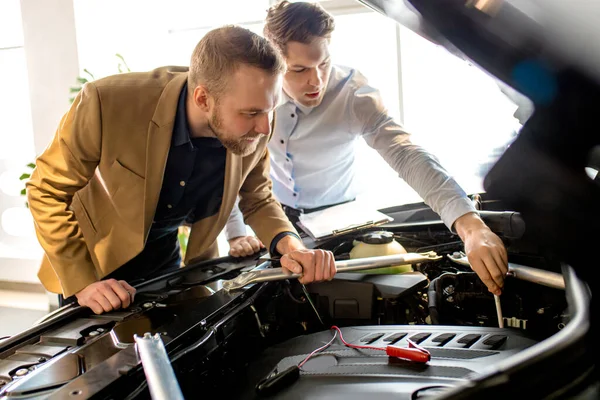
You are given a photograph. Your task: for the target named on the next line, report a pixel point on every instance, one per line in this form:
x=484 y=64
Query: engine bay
x=228 y=342
x=421 y=329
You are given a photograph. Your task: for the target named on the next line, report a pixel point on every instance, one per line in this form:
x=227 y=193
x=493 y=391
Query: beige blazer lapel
x=160 y=132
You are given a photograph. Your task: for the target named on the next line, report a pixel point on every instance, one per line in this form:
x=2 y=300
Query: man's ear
x=202 y=98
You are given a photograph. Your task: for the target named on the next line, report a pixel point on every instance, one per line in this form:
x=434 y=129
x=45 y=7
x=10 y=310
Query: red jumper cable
x=413 y=352
x=275 y=382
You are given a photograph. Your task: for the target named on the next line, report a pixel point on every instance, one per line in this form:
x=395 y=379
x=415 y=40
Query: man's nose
x=263 y=124
x=314 y=78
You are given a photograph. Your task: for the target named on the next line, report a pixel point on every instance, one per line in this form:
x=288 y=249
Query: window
x=11 y=30
x=450 y=107
x=153 y=33
x=454 y=109
x=17 y=238
x=372 y=50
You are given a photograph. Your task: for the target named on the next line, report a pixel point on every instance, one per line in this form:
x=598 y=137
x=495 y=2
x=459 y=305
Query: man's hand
x=485 y=251
x=243 y=246
x=314 y=265
x=105 y=296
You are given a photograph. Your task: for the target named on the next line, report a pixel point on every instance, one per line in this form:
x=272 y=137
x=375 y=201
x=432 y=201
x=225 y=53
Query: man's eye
x=298 y=70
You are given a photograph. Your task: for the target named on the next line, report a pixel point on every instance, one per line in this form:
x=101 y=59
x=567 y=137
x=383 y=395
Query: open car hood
x=545 y=53
x=522 y=43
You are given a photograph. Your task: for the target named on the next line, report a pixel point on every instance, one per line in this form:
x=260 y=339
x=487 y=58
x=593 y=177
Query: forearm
x=289 y=243
x=420 y=169
x=468 y=224
x=61 y=239
x=423 y=172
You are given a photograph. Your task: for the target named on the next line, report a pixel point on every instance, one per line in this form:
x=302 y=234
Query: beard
x=239 y=146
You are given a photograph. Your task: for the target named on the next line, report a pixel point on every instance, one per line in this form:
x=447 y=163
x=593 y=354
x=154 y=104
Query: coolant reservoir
x=379 y=243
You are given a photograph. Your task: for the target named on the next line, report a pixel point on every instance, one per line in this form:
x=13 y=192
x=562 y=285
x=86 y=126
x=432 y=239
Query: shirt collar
x=181 y=131
x=305 y=110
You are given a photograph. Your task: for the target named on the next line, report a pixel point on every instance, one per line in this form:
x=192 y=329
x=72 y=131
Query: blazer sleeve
x=65 y=167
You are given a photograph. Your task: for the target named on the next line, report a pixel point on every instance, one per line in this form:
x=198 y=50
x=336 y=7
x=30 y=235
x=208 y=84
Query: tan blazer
x=94 y=191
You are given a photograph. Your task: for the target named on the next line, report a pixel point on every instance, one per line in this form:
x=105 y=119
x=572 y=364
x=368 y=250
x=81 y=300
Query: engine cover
x=340 y=372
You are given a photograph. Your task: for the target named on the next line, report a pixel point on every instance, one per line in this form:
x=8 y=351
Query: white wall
x=52 y=62
x=39 y=70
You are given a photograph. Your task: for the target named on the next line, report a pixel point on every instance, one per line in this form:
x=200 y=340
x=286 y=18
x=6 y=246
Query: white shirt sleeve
x=420 y=169
x=235 y=225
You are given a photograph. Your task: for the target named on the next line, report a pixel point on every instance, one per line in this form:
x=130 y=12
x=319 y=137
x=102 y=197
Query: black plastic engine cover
x=343 y=373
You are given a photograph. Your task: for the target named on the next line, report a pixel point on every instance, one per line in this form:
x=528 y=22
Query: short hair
x=297 y=22
x=221 y=51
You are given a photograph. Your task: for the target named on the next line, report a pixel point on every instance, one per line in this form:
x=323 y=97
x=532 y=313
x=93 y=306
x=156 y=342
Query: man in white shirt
x=327 y=108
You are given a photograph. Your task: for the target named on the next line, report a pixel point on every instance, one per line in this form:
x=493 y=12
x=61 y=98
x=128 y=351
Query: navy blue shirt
x=192 y=189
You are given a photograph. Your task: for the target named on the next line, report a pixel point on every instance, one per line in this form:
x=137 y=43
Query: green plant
x=24 y=176
x=122 y=66
x=183 y=235
x=82 y=80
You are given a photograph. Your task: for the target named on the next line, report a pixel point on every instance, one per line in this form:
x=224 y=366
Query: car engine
x=237 y=343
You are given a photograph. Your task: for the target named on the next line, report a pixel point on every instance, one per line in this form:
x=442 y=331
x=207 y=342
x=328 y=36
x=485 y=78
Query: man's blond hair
x=221 y=51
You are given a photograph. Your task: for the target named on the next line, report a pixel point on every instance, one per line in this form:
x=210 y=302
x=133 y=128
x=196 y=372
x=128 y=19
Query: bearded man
x=139 y=154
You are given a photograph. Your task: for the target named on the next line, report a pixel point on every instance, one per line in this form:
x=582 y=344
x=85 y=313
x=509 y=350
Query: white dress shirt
x=313 y=151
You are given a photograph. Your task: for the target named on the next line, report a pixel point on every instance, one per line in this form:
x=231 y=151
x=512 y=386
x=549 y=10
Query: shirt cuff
x=273 y=247
x=235 y=226
x=235 y=230
x=455 y=210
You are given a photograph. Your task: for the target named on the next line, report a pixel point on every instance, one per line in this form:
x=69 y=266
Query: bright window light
x=17 y=221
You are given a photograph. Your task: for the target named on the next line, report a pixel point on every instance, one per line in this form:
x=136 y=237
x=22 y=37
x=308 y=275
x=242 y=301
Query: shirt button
x=169 y=206
x=182 y=183
x=287 y=160
x=281 y=141
x=295 y=195
x=293 y=115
